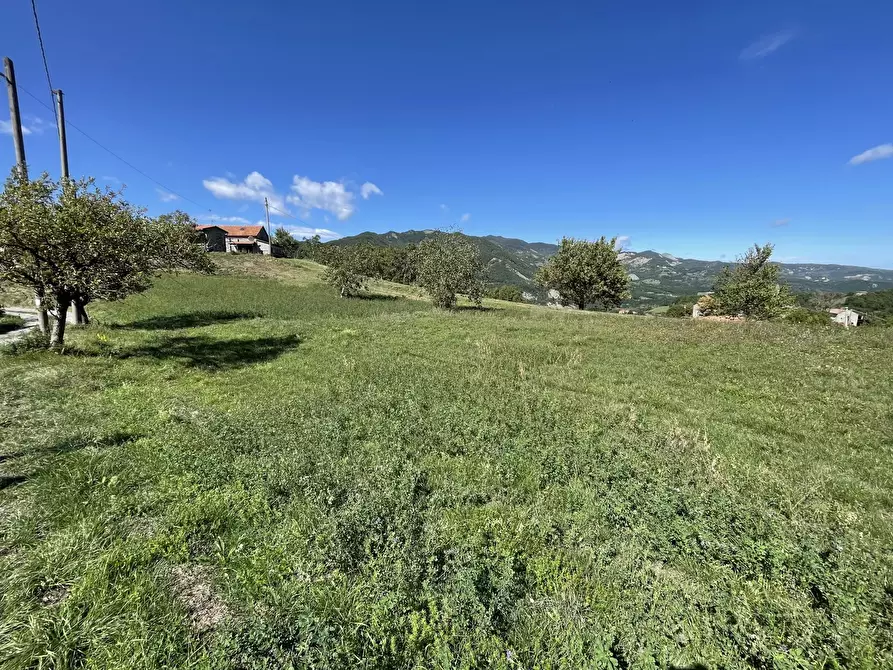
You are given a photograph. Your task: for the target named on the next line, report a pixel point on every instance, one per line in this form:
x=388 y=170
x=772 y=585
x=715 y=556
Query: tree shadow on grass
x=64 y=446
x=375 y=296
x=74 y=443
x=473 y=308
x=187 y=320
x=214 y=354
x=6 y=482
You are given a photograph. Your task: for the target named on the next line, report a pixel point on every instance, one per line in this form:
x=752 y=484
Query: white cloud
x=166 y=196
x=873 y=154
x=623 y=241
x=766 y=45
x=369 y=189
x=31 y=125
x=114 y=180
x=329 y=196
x=304 y=231
x=445 y=208
x=255 y=187
x=465 y=218
x=6 y=128
x=224 y=219
x=778 y=223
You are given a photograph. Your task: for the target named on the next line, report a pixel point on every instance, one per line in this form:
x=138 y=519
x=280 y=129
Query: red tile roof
x=236 y=231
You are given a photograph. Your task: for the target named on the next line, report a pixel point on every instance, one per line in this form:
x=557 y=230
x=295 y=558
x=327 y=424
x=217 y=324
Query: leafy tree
x=447 y=264
x=586 y=273
x=73 y=243
x=877 y=306
x=505 y=292
x=751 y=287
x=285 y=241
x=347 y=270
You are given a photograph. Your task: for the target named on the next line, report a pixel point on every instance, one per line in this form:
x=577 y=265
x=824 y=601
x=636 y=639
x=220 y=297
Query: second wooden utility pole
x=269 y=232
x=18 y=141
x=63 y=144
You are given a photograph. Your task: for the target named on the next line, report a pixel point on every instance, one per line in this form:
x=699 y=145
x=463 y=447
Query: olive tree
x=447 y=264
x=586 y=273
x=751 y=287
x=73 y=243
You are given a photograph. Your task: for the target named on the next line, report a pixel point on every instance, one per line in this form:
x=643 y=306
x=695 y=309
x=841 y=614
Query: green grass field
x=245 y=471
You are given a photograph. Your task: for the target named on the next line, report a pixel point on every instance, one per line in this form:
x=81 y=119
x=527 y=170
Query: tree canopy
x=586 y=273
x=751 y=287
x=72 y=243
x=447 y=264
x=347 y=271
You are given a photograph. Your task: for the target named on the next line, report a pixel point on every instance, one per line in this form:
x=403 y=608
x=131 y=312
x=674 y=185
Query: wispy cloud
x=166 y=196
x=329 y=196
x=766 y=45
x=215 y=218
x=31 y=125
x=113 y=180
x=623 y=241
x=778 y=223
x=369 y=189
x=465 y=218
x=874 y=154
x=444 y=208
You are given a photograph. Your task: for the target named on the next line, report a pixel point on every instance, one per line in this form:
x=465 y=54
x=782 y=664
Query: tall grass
x=372 y=483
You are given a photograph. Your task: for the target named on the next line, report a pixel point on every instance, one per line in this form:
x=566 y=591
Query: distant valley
x=657 y=279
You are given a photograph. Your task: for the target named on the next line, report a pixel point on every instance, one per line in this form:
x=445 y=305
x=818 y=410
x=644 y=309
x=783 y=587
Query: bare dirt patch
x=192 y=586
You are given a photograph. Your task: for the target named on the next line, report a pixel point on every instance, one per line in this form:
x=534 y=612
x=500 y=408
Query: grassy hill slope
x=247 y=471
x=657 y=279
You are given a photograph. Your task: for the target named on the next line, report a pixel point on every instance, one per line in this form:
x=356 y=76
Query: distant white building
x=845 y=316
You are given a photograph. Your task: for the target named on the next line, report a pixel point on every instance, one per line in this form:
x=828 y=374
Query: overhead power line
x=133 y=167
x=289 y=215
x=43 y=53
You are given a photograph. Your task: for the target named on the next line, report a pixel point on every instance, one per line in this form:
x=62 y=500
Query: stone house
x=238 y=239
x=845 y=316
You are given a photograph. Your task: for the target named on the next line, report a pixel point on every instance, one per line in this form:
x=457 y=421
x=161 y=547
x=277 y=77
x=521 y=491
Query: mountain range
x=657 y=279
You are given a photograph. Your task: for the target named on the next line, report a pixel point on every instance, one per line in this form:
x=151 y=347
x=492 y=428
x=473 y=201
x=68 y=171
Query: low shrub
x=34 y=340
x=808 y=317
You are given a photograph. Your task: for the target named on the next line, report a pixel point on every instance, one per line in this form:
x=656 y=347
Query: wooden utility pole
x=63 y=144
x=269 y=232
x=18 y=141
x=15 y=119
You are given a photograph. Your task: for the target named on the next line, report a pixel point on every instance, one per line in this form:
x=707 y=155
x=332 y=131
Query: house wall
x=215 y=239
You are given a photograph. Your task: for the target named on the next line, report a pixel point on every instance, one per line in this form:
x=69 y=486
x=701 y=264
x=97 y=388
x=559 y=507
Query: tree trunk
x=80 y=314
x=582 y=305
x=43 y=322
x=58 y=337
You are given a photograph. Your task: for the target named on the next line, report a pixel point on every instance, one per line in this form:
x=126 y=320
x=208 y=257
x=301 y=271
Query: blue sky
x=694 y=128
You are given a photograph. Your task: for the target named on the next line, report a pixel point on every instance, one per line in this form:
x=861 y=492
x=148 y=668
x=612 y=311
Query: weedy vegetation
x=246 y=471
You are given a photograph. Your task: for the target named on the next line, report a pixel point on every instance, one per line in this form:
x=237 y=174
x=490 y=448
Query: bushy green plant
x=505 y=292
x=808 y=317
x=448 y=264
x=751 y=288
x=346 y=271
x=33 y=340
x=679 y=310
x=586 y=273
